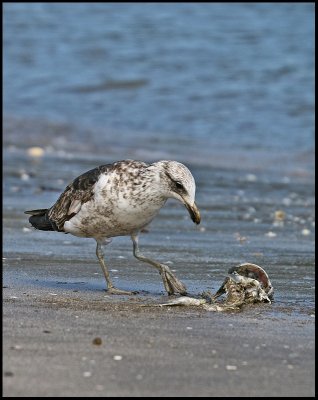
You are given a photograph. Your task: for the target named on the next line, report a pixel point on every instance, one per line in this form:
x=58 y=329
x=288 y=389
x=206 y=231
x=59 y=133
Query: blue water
x=199 y=77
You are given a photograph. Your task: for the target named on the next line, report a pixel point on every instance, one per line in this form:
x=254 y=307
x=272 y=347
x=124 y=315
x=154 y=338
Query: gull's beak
x=194 y=212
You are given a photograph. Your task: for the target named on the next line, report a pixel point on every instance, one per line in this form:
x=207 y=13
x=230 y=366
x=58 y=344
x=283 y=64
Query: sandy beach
x=55 y=305
x=148 y=351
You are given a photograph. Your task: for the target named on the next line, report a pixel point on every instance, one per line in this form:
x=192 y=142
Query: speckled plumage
x=119 y=199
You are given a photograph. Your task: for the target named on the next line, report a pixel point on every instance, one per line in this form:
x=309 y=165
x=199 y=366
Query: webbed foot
x=171 y=282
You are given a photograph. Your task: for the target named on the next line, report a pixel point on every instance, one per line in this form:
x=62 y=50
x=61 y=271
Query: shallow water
x=177 y=76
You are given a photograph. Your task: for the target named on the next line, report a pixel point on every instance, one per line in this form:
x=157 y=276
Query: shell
x=256 y=272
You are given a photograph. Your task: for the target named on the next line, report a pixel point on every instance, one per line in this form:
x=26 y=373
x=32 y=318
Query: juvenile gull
x=120 y=199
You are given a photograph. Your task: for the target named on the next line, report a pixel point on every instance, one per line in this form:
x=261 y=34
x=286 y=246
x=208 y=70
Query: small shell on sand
x=35 y=151
x=97 y=341
x=231 y=367
x=279 y=215
x=270 y=234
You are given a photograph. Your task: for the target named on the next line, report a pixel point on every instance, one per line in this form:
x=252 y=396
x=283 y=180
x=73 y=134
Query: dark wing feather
x=41 y=211
x=75 y=194
x=39 y=219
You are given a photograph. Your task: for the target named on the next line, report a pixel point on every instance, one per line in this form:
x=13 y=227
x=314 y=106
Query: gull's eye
x=179 y=185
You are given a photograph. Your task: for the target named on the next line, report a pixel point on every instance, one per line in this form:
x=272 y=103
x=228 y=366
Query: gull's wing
x=75 y=195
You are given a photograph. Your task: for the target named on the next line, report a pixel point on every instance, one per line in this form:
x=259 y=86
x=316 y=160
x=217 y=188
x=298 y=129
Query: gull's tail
x=40 y=220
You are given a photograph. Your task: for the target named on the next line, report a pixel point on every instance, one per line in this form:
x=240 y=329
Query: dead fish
x=244 y=284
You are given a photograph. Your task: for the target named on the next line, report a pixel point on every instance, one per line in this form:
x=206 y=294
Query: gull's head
x=179 y=184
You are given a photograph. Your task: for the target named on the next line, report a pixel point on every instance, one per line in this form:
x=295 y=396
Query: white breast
x=113 y=211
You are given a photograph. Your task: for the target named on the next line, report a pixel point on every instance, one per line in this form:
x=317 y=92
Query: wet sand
x=54 y=303
x=51 y=321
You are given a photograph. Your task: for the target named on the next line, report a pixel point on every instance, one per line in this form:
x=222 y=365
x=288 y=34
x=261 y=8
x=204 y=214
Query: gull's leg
x=171 y=283
x=110 y=287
